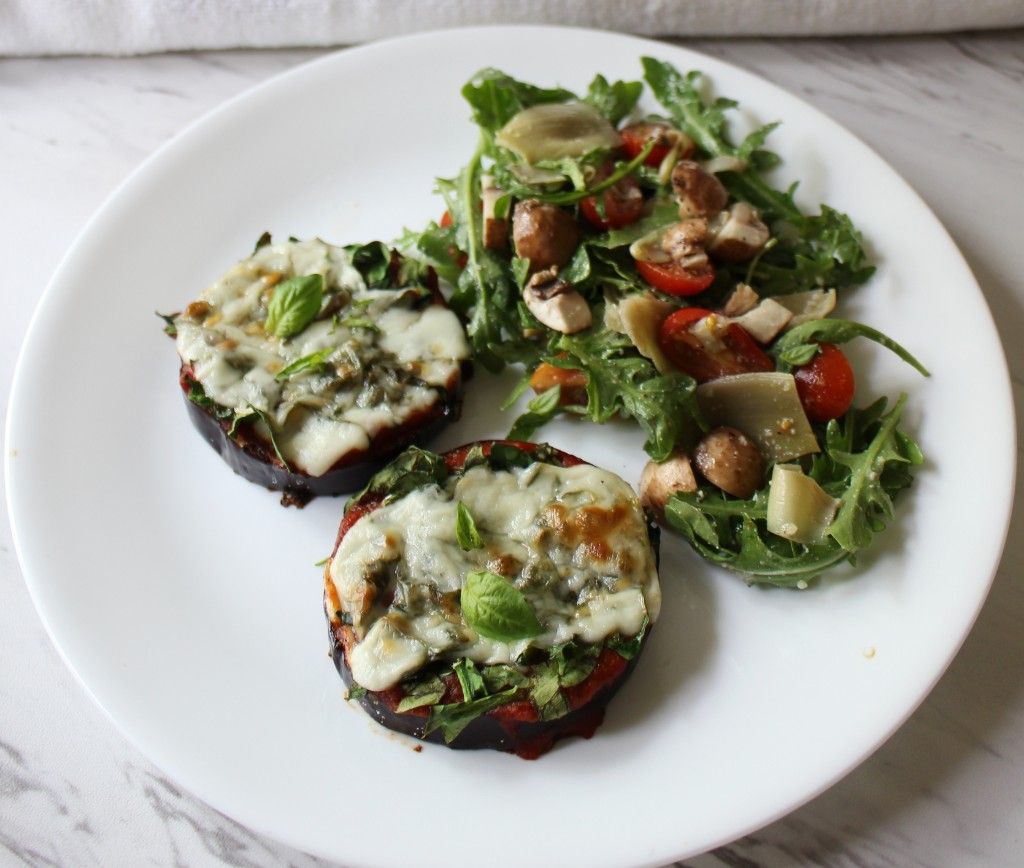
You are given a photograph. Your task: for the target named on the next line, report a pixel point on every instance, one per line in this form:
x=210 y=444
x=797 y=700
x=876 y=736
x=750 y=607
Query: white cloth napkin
x=140 y=26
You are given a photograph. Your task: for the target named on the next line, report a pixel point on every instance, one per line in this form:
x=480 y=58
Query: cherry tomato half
x=825 y=384
x=741 y=354
x=446 y=220
x=635 y=136
x=675 y=280
x=623 y=204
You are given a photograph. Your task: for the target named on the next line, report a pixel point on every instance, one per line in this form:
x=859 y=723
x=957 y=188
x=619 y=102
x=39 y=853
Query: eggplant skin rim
x=529 y=739
x=253 y=459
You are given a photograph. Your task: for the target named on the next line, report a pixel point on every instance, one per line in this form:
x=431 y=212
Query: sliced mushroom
x=556 y=304
x=658 y=481
x=742 y=299
x=740 y=235
x=700 y=193
x=684 y=242
x=495 y=228
x=544 y=234
x=729 y=459
x=765 y=321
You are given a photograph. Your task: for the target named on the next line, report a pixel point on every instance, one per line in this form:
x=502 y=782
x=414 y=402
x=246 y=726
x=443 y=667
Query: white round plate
x=187 y=600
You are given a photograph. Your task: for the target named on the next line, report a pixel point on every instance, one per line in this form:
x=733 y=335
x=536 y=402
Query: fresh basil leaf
x=496 y=608
x=799 y=340
x=466 y=533
x=470 y=679
x=294 y=304
x=170 y=327
x=453 y=718
x=614 y=101
x=312 y=362
x=539 y=411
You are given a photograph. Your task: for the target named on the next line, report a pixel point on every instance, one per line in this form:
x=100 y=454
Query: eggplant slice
x=570 y=528
x=308 y=366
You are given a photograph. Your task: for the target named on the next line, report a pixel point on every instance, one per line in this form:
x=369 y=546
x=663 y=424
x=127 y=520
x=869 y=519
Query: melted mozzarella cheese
x=372 y=378
x=573 y=540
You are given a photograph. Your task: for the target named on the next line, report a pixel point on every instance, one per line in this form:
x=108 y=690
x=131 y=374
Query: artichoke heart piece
x=765 y=407
x=798 y=508
x=551 y=131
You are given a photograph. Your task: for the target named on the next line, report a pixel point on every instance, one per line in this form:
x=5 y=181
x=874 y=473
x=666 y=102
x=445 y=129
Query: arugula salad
x=645 y=267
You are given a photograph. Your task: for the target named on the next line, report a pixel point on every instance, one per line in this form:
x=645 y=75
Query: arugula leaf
x=664 y=212
x=800 y=343
x=453 y=718
x=865 y=463
x=867 y=505
x=539 y=411
x=170 y=327
x=620 y=380
x=466 y=533
x=814 y=250
x=496 y=608
x=313 y=361
x=496 y=97
x=470 y=679
x=294 y=304
x=614 y=101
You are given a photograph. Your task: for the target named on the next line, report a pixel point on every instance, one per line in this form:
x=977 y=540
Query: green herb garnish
x=496 y=608
x=312 y=362
x=294 y=305
x=466 y=533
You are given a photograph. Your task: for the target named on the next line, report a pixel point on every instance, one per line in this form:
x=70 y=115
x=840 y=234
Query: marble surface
x=947 y=789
